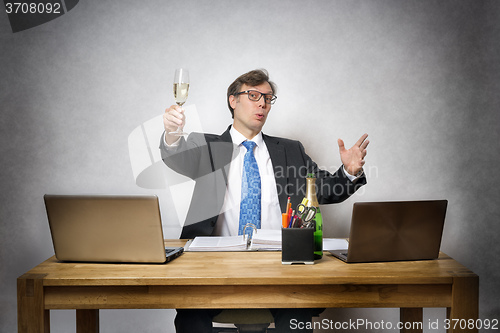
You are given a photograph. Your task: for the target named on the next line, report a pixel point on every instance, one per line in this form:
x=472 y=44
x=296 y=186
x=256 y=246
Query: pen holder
x=297 y=246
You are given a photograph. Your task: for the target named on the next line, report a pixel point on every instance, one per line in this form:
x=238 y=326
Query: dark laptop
x=393 y=231
x=104 y=228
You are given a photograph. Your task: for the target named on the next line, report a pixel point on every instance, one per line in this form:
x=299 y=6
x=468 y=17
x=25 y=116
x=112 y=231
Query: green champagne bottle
x=313 y=202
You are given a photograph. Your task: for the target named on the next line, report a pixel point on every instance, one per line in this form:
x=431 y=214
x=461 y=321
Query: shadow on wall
x=148 y=168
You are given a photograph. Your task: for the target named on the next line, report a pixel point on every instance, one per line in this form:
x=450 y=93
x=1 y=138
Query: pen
x=287 y=210
x=297 y=222
x=291 y=219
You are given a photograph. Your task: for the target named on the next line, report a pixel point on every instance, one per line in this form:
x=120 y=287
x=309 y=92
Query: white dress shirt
x=228 y=222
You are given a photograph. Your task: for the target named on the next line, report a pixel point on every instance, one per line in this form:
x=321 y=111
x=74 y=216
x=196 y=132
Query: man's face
x=250 y=116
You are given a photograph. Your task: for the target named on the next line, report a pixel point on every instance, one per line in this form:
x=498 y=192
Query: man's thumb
x=341 y=144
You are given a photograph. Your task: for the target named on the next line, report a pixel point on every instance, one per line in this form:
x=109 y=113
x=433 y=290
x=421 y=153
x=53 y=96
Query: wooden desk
x=243 y=280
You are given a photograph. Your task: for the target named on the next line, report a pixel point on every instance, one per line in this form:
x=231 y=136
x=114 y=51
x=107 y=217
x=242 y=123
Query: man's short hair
x=252 y=78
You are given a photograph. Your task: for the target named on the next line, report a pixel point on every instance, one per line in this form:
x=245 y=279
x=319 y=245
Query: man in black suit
x=215 y=162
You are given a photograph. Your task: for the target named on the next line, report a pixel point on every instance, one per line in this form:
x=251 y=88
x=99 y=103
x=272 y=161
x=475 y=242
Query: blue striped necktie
x=250 y=191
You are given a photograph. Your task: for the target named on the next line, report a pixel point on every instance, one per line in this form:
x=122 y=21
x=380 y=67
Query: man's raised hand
x=353 y=159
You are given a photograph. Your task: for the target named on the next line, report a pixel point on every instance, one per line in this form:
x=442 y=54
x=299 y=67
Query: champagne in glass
x=181 y=89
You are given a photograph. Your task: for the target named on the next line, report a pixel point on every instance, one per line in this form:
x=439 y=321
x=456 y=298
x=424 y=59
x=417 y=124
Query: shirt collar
x=239 y=138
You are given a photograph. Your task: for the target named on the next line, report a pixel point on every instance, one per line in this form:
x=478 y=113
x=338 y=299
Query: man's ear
x=232 y=101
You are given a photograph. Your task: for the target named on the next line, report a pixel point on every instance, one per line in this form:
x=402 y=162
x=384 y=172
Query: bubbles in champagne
x=181 y=93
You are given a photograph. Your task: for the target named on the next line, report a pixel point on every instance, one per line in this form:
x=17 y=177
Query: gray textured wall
x=421 y=77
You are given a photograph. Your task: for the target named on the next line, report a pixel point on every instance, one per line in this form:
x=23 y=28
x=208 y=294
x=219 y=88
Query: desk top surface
x=246 y=268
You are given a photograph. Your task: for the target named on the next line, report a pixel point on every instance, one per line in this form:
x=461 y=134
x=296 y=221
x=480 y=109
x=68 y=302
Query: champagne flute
x=181 y=88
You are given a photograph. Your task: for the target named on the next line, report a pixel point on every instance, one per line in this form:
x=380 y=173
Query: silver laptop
x=393 y=231
x=103 y=228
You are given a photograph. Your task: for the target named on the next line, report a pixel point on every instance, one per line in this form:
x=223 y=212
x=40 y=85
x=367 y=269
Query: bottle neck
x=311 y=192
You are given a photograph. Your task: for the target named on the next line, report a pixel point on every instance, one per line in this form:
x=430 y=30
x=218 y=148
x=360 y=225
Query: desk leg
x=464 y=304
x=31 y=314
x=87 y=321
x=415 y=319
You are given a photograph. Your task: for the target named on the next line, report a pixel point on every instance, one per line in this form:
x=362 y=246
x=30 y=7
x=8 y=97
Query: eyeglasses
x=255 y=96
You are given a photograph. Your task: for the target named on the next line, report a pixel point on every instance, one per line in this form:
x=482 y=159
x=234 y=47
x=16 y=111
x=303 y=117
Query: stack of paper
x=265 y=239
x=213 y=243
x=330 y=244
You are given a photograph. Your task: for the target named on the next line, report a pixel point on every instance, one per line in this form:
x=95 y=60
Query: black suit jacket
x=206 y=158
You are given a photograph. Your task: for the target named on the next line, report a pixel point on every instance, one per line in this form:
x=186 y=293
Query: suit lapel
x=278 y=158
x=221 y=152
